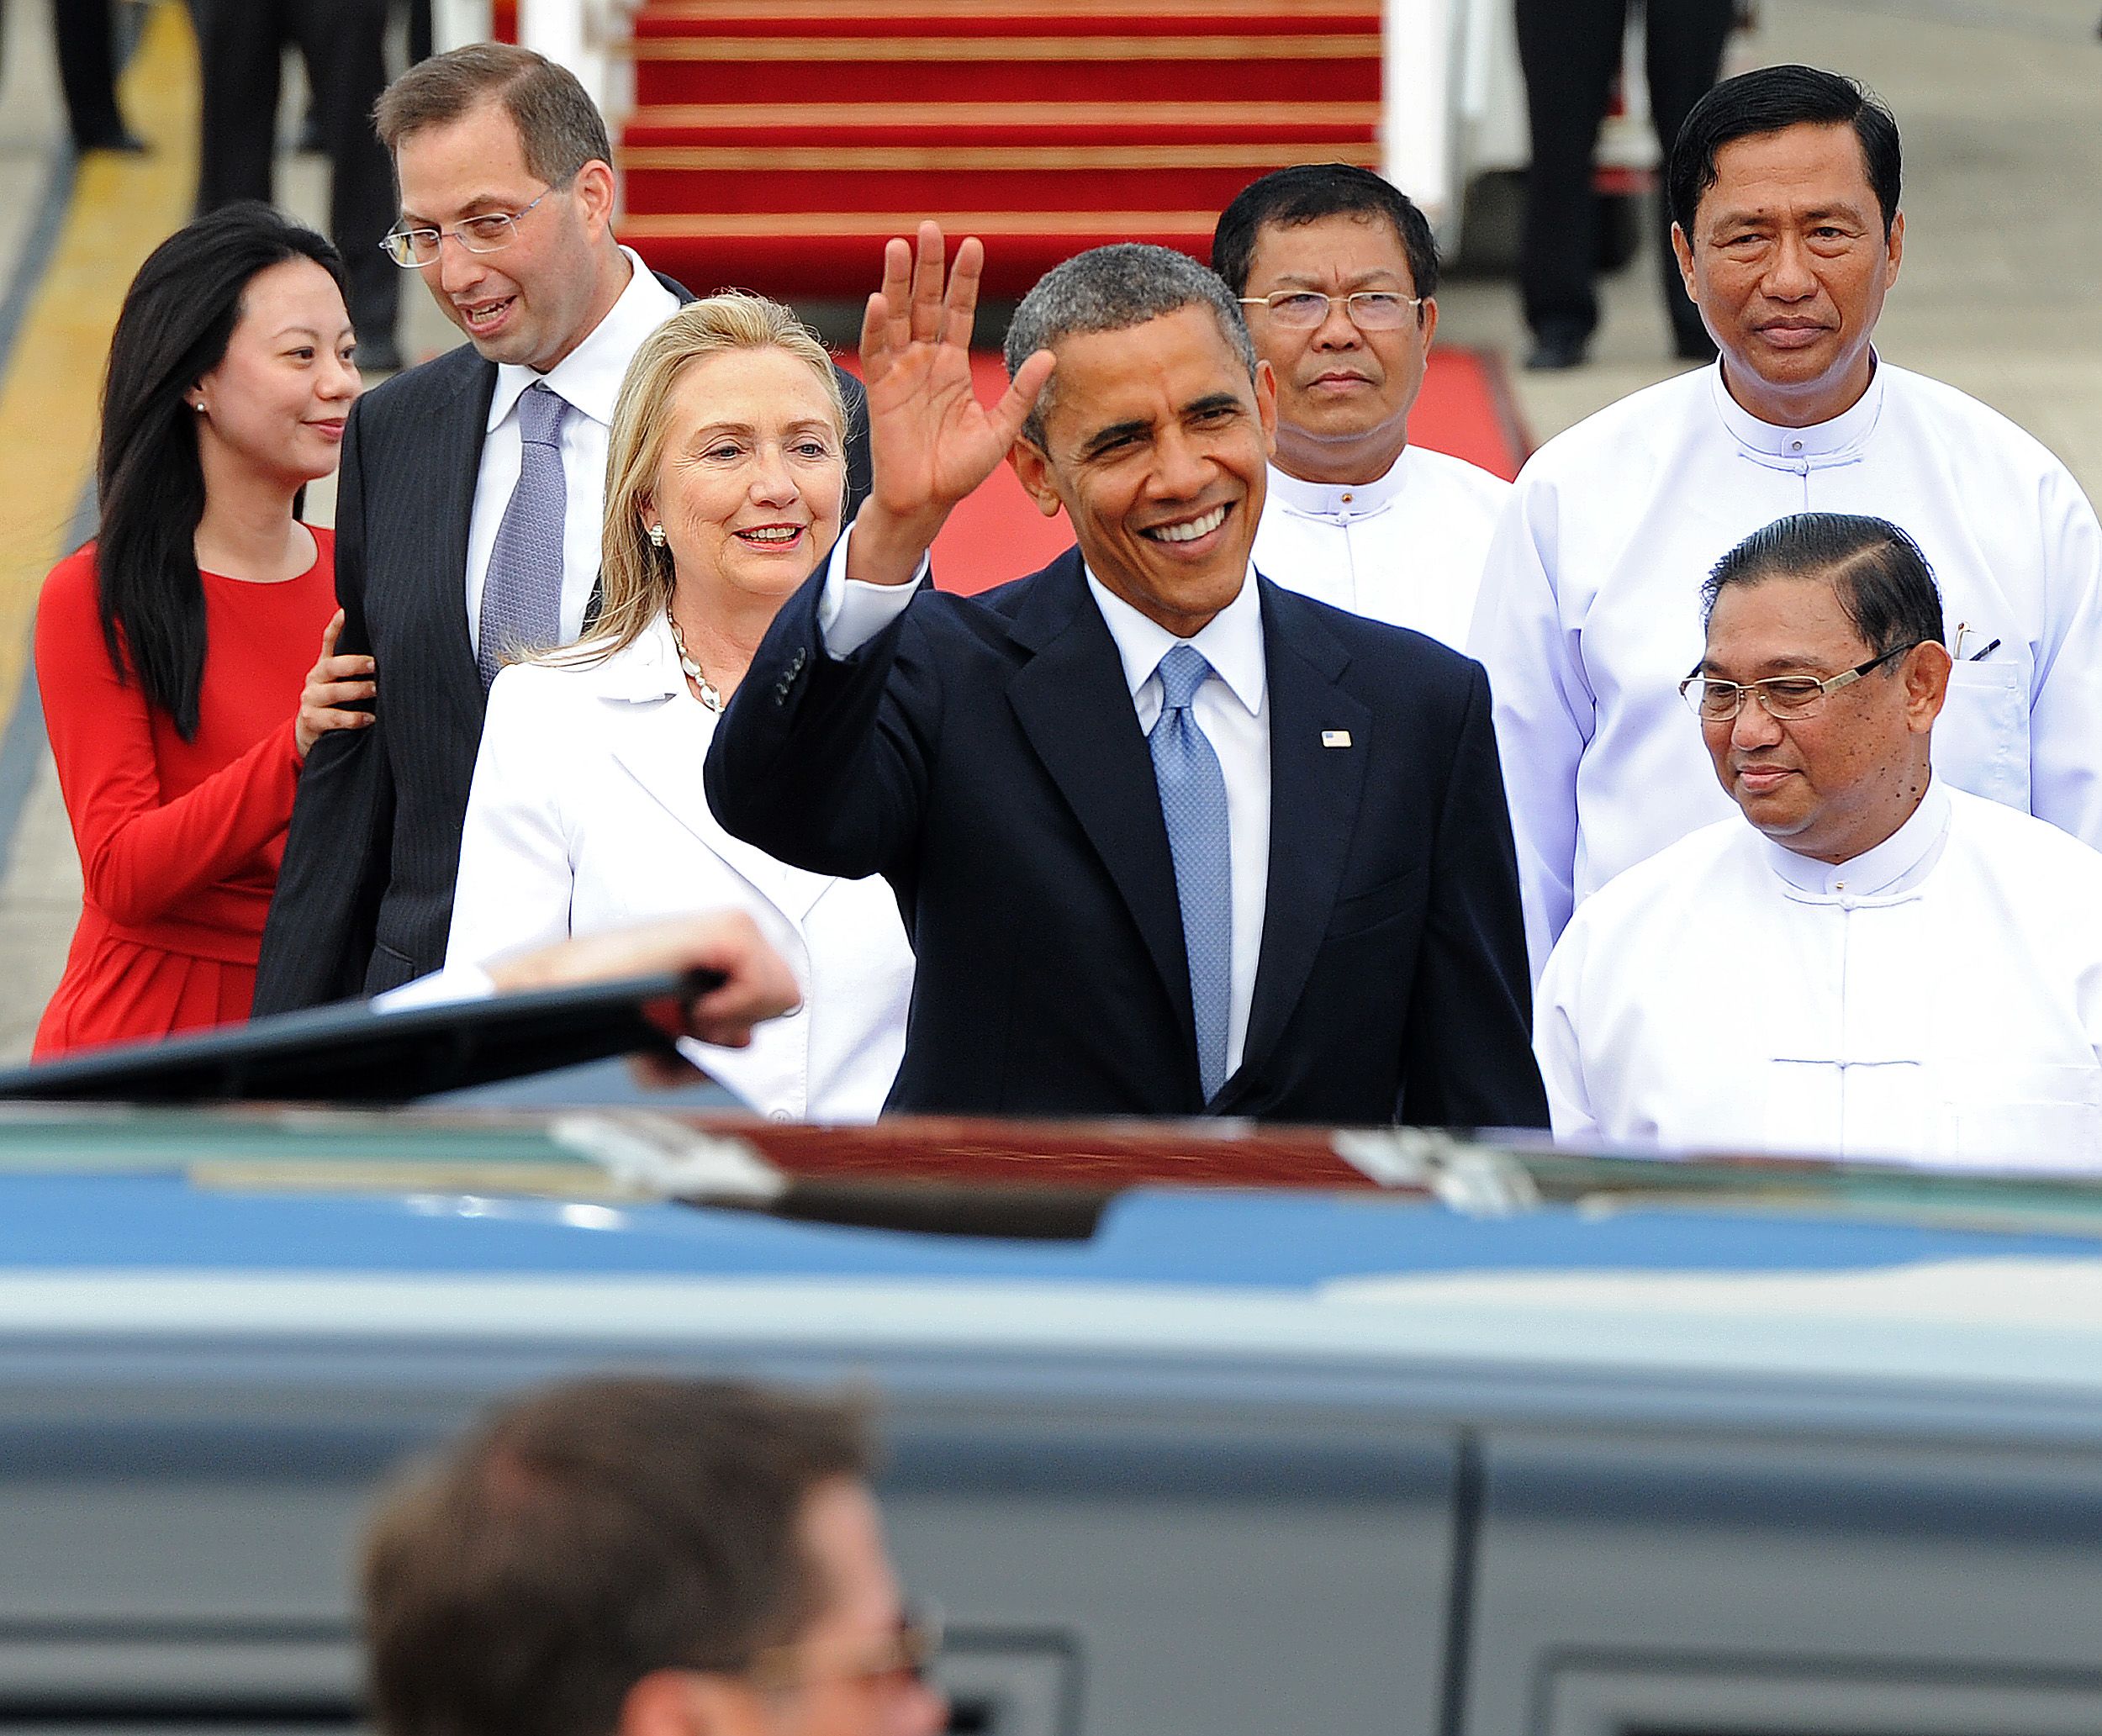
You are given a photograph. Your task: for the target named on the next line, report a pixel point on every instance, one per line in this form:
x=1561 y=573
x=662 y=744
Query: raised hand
x=931 y=441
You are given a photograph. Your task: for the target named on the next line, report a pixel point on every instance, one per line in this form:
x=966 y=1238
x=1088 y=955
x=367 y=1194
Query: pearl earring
x=655 y=534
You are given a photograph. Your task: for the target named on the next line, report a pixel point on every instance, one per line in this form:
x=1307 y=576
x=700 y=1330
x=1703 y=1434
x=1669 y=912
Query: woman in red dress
x=173 y=653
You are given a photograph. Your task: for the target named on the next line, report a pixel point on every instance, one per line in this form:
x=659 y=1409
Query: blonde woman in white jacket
x=725 y=479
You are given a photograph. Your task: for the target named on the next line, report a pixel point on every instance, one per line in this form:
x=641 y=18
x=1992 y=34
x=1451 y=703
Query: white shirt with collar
x=588 y=380
x=1406 y=548
x=1936 y=1000
x=1589 y=616
x=586 y=814
x=1232 y=709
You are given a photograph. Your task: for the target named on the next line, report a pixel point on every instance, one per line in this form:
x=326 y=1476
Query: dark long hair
x=178 y=316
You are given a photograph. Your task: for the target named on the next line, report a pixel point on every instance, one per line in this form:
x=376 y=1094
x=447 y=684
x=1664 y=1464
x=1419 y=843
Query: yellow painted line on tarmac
x=123 y=207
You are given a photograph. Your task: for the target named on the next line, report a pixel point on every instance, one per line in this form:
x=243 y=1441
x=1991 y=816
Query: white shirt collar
x=589 y=378
x=1232 y=641
x=1340 y=501
x=1837 y=441
x=1896 y=865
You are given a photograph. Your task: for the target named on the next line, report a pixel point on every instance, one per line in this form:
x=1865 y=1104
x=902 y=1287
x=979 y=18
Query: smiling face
x=1155 y=444
x=1343 y=395
x=533 y=301
x=1790 y=265
x=1843 y=779
x=750 y=487
x=276 y=404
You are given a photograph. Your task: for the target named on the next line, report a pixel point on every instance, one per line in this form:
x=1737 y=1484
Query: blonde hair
x=635 y=578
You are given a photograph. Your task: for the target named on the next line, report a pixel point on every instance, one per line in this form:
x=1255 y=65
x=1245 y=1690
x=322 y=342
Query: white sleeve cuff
x=851 y=612
x=442 y=988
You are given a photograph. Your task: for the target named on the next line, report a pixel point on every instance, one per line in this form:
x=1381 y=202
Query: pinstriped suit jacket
x=364 y=900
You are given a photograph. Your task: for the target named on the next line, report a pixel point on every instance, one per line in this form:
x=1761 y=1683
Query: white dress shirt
x=1231 y=708
x=1408 y=549
x=1590 y=609
x=588 y=814
x=588 y=379
x=1937 y=999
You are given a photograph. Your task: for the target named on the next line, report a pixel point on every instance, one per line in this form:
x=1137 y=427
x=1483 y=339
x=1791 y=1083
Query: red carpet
x=777 y=144
x=998 y=534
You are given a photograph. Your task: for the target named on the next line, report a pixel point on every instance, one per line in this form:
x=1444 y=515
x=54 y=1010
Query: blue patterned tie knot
x=1193 y=804
x=521 y=592
x=541 y=410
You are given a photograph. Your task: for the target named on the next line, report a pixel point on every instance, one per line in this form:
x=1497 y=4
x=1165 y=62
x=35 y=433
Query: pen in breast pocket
x=1979 y=657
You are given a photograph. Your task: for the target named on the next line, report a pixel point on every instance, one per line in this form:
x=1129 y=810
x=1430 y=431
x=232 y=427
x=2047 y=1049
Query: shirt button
x=1347 y=498
x=1795 y=445
x=780 y=1115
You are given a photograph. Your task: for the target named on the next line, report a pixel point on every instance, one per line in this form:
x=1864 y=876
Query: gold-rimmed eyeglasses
x=490 y=233
x=1369 y=309
x=1786 y=697
x=908 y=1653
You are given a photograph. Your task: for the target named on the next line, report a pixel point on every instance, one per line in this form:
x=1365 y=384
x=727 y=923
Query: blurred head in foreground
x=643 y=1557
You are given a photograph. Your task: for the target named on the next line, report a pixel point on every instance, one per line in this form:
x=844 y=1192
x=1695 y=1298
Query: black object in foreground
x=349 y=1053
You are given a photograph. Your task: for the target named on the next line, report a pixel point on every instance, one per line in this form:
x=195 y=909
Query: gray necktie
x=521 y=595
x=1193 y=803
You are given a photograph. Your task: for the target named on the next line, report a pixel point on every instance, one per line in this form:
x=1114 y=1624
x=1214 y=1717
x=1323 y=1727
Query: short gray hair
x=1114 y=288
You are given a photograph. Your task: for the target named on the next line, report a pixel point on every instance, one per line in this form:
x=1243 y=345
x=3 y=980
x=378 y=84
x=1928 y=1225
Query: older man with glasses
x=1880 y=964
x=1336 y=271
x=470 y=511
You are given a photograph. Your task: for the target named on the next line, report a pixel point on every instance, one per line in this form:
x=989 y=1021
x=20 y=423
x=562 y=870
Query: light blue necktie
x=1193 y=803
x=521 y=595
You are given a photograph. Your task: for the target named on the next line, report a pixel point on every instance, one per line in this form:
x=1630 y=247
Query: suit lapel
x=1314 y=795
x=455 y=459
x=1076 y=712
x=661 y=743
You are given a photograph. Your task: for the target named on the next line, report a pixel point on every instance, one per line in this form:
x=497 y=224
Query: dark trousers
x=239 y=43
x=86 y=34
x=1571 y=52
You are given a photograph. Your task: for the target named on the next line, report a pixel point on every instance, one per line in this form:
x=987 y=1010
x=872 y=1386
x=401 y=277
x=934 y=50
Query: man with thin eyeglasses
x=469 y=511
x=1878 y=964
x=643 y=1557
x=1336 y=271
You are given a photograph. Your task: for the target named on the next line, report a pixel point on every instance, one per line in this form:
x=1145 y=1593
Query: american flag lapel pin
x=1335 y=738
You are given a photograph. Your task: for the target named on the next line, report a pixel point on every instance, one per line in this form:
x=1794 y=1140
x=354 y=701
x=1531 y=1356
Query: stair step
x=758 y=24
x=806 y=13
x=1023 y=191
x=847 y=125
x=1331 y=71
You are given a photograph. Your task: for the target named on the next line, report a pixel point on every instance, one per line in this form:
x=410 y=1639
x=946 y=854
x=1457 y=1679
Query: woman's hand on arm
x=333 y=683
x=931 y=441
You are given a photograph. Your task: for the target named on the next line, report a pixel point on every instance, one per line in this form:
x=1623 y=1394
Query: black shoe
x=1554 y=351
x=379 y=356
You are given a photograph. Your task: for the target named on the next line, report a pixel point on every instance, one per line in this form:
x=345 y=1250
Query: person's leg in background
x=1569 y=51
x=348 y=39
x=239 y=43
x=1683 y=42
x=87 y=37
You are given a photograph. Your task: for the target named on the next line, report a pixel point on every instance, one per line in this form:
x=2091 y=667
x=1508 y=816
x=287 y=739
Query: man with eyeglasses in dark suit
x=469 y=510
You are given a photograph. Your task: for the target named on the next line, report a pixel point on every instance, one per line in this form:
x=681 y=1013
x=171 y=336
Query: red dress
x=179 y=841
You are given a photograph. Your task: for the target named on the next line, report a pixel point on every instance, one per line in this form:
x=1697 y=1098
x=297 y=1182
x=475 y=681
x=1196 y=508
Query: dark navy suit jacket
x=983 y=754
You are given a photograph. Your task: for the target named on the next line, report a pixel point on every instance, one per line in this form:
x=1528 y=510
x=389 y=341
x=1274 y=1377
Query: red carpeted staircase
x=777 y=144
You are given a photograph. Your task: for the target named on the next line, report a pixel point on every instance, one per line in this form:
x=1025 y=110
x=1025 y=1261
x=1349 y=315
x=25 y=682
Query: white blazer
x=587 y=813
